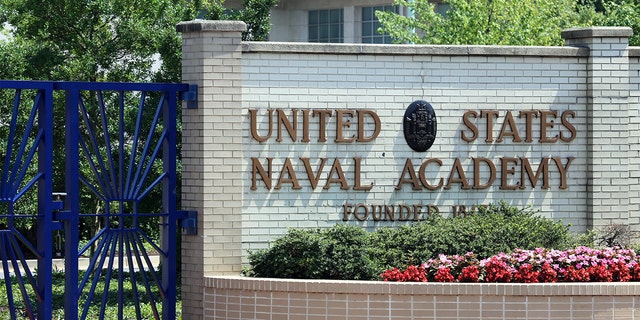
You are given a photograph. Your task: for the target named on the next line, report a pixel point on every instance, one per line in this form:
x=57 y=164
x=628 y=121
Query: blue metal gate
x=112 y=147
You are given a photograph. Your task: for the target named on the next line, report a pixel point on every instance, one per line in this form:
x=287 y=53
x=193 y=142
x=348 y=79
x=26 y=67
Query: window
x=326 y=25
x=370 y=24
x=442 y=9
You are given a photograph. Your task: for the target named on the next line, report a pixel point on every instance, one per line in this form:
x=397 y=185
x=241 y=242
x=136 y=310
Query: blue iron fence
x=118 y=142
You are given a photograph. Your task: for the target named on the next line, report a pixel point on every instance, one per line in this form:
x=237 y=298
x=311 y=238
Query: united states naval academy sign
x=420 y=132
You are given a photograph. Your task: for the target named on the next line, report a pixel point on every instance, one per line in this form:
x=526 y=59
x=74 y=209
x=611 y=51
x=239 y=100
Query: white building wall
x=289 y=20
x=289 y=25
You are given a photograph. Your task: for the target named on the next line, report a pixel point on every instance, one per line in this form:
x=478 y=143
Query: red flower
x=600 y=273
x=415 y=274
x=469 y=274
x=497 y=271
x=620 y=272
x=635 y=273
x=571 y=274
x=547 y=274
x=526 y=274
x=393 y=275
x=444 y=275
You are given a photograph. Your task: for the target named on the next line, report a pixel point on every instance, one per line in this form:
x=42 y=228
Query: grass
x=111 y=310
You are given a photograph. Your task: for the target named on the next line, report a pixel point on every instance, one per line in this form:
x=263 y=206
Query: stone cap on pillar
x=211 y=25
x=597 y=32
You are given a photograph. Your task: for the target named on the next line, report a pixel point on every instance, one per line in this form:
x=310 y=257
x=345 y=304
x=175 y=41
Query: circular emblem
x=420 y=125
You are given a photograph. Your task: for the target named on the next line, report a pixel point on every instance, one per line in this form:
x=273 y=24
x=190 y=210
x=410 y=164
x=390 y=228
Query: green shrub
x=503 y=228
x=340 y=252
x=349 y=252
x=296 y=255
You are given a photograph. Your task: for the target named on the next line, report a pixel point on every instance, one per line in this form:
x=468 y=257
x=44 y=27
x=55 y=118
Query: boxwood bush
x=351 y=253
x=341 y=252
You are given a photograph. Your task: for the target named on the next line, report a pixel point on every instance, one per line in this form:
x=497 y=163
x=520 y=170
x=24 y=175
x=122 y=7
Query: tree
x=111 y=40
x=612 y=13
x=116 y=40
x=255 y=13
x=504 y=22
x=102 y=40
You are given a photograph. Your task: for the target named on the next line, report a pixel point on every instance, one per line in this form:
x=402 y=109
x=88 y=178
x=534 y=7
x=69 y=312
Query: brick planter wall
x=255 y=298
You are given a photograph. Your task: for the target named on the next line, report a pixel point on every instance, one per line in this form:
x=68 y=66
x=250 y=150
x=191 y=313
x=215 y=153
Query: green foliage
x=94 y=312
x=255 y=13
x=295 y=255
x=348 y=252
x=346 y=258
x=490 y=230
x=506 y=22
x=494 y=22
x=105 y=40
x=90 y=40
x=612 y=13
x=337 y=253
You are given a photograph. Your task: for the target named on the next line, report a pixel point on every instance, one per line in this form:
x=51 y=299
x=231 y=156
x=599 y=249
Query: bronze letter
x=543 y=169
x=341 y=123
x=322 y=126
x=389 y=213
x=287 y=168
x=568 y=125
x=305 y=125
x=467 y=122
x=346 y=210
x=407 y=209
x=357 y=185
x=313 y=179
x=366 y=212
x=528 y=115
x=563 y=170
x=423 y=176
x=544 y=125
x=376 y=125
x=291 y=129
x=257 y=168
x=476 y=173
x=417 y=212
x=408 y=168
x=507 y=171
x=457 y=168
x=513 y=129
x=254 y=125
x=490 y=114
x=336 y=168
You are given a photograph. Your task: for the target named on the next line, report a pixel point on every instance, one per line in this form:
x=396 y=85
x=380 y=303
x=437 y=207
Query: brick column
x=211 y=156
x=607 y=121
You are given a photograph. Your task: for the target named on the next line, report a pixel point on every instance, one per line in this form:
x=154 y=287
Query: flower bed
x=582 y=264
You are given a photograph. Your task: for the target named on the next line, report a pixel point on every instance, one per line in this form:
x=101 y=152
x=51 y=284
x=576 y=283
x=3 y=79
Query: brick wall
x=592 y=81
x=211 y=135
x=589 y=89
x=251 y=298
x=454 y=79
x=634 y=137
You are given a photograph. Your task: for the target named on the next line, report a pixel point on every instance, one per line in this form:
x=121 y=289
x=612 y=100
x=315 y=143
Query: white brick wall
x=388 y=84
x=634 y=139
x=596 y=80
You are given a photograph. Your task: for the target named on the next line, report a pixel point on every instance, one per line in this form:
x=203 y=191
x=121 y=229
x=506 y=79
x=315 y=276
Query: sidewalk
x=83 y=264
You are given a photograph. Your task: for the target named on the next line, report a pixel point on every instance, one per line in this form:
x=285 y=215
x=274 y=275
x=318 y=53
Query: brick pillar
x=211 y=155
x=607 y=121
